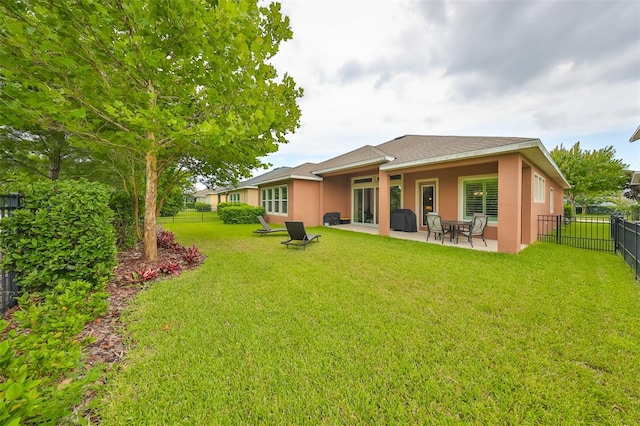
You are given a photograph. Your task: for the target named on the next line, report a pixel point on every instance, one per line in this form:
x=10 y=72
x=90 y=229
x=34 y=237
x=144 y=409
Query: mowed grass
x=363 y=329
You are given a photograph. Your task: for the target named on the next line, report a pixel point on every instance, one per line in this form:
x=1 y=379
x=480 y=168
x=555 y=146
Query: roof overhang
x=635 y=179
x=531 y=149
x=636 y=135
x=289 y=177
x=356 y=165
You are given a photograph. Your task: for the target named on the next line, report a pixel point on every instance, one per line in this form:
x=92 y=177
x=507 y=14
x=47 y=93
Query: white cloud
x=374 y=70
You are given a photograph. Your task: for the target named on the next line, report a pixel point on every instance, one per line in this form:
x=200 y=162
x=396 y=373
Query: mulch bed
x=108 y=346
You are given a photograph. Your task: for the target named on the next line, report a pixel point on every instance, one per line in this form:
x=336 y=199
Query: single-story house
x=512 y=180
x=202 y=196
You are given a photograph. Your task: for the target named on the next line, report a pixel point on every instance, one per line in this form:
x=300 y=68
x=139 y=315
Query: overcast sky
x=561 y=71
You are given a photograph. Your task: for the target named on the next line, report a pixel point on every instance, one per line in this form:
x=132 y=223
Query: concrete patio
x=492 y=245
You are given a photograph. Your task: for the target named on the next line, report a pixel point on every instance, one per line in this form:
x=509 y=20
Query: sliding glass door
x=365 y=205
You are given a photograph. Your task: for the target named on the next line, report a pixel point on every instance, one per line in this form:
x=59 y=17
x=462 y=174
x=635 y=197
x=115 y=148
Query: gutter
x=370 y=162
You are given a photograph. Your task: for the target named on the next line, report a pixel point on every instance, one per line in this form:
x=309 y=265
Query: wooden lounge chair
x=266 y=229
x=298 y=235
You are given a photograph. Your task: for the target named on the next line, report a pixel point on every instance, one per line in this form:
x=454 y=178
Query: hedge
x=236 y=213
x=65 y=232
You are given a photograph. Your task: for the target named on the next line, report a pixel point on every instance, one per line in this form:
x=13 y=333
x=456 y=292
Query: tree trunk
x=55 y=163
x=150 y=241
x=56 y=153
x=136 y=207
x=151 y=193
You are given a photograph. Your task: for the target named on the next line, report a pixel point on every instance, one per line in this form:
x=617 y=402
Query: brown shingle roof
x=367 y=154
x=303 y=171
x=410 y=148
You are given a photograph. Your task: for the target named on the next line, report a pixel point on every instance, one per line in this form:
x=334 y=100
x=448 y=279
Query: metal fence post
x=8 y=287
x=559 y=222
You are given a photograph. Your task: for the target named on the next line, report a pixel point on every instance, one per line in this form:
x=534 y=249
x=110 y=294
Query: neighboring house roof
x=203 y=192
x=635 y=179
x=636 y=135
x=414 y=150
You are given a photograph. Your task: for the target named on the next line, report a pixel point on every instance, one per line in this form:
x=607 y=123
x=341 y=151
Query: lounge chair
x=476 y=229
x=266 y=229
x=434 y=226
x=298 y=235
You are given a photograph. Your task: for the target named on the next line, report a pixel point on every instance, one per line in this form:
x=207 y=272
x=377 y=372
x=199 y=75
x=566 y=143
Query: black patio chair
x=434 y=225
x=266 y=229
x=298 y=235
x=476 y=229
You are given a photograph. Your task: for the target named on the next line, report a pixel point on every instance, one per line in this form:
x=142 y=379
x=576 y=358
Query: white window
x=551 y=201
x=539 y=188
x=480 y=196
x=275 y=199
x=234 y=197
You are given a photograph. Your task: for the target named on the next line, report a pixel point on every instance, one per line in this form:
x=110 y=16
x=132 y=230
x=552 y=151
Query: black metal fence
x=627 y=237
x=189 y=215
x=8 y=287
x=613 y=234
x=593 y=233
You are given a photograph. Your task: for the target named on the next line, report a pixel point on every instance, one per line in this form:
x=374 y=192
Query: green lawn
x=362 y=329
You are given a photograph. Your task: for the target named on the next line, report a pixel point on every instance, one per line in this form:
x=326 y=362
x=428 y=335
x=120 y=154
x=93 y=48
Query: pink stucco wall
x=304 y=200
x=517 y=217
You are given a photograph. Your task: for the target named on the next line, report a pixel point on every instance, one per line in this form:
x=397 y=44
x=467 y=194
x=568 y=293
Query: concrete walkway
x=492 y=245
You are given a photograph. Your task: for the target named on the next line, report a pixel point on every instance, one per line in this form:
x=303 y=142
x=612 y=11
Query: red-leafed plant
x=166 y=239
x=177 y=247
x=170 y=267
x=146 y=273
x=191 y=255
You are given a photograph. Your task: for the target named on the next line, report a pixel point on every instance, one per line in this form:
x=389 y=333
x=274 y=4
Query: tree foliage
x=590 y=173
x=184 y=84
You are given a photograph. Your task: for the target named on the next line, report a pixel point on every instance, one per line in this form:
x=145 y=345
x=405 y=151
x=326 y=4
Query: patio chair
x=476 y=229
x=298 y=235
x=266 y=229
x=434 y=225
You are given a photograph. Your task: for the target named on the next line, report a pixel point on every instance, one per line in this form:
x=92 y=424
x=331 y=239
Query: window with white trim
x=275 y=199
x=480 y=196
x=551 y=200
x=539 y=188
x=234 y=197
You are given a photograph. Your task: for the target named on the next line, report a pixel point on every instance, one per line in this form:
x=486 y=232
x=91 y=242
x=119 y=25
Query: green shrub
x=632 y=212
x=568 y=211
x=173 y=204
x=124 y=220
x=40 y=359
x=202 y=207
x=224 y=205
x=240 y=213
x=65 y=232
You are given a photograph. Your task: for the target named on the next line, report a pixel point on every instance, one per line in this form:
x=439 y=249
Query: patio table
x=454 y=225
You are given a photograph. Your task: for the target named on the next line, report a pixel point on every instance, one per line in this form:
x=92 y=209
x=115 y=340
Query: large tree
x=41 y=154
x=590 y=173
x=185 y=83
